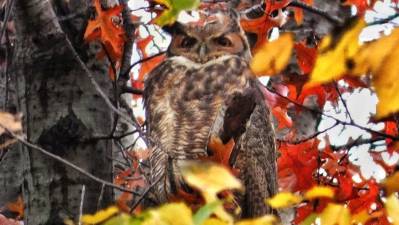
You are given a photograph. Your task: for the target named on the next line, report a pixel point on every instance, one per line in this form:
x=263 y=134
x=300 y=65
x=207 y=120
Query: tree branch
x=379 y=133
x=65 y=162
x=385 y=20
x=317 y=11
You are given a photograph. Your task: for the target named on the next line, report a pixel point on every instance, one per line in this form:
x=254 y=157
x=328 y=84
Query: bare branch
x=311 y=136
x=317 y=11
x=385 y=20
x=379 y=133
x=65 y=162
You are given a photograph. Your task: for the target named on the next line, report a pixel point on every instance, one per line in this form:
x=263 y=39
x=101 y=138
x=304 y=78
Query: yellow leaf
x=170 y=214
x=100 y=216
x=380 y=58
x=361 y=217
x=210 y=179
x=264 y=220
x=392 y=207
x=284 y=200
x=273 y=57
x=333 y=57
x=335 y=214
x=214 y=221
x=319 y=192
x=391 y=183
x=385 y=79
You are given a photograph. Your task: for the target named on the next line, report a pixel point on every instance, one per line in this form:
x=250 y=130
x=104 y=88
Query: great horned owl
x=203 y=88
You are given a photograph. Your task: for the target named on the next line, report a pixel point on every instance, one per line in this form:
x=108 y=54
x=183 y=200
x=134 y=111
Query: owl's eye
x=223 y=41
x=188 y=42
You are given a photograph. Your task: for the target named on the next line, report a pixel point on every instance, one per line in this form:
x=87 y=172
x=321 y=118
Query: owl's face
x=216 y=34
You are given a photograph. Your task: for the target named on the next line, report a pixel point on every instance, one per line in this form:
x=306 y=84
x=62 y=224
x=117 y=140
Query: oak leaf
x=105 y=29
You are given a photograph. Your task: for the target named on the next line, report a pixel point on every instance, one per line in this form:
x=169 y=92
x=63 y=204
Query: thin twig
x=141 y=61
x=141 y=197
x=358 y=142
x=382 y=134
x=65 y=162
x=130 y=90
x=317 y=11
x=311 y=136
x=385 y=20
x=343 y=101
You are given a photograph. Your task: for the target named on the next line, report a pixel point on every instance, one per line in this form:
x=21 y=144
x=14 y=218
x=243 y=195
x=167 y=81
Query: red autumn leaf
x=131 y=178
x=322 y=92
x=147 y=65
x=382 y=220
x=361 y=5
x=305 y=56
x=302 y=212
x=261 y=26
x=377 y=158
x=298 y=161
x=345 y=190
x=333 y=161
x=355 y=82
x=391 y=128
x=366 y=198
x=105 y=29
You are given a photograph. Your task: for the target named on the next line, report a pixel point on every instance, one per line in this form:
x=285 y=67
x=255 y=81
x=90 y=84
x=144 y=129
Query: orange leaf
x=221 y=152
x=17 y=207
x=105 y=29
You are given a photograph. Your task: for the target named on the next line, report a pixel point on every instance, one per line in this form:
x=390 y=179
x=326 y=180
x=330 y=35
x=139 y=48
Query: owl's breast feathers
x=184 y=102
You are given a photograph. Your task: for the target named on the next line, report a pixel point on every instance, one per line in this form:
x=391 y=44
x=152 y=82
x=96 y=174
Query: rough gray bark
x=62 y=113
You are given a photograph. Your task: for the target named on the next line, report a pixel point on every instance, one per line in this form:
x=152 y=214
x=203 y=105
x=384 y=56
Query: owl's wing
x=158 y=127
x=255 y=158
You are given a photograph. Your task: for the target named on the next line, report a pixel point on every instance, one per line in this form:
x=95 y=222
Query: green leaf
x=123 y=219
x=310 y=219
x=204 y=212
x=174 y=7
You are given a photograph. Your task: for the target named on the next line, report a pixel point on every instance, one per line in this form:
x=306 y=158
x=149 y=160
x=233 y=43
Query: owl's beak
x=202 y=51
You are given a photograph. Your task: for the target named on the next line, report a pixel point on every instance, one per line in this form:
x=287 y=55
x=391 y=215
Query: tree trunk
x=63 y=113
